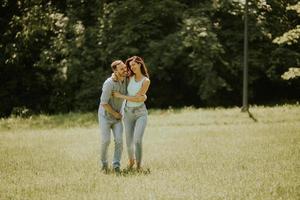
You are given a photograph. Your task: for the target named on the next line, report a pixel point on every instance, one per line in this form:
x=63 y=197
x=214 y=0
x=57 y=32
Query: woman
x=135 y=111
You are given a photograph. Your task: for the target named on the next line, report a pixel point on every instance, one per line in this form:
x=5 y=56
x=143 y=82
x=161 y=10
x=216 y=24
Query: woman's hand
x=116 y=94
x=114 y=77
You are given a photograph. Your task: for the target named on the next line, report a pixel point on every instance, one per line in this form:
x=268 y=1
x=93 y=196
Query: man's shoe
x=104 y=169
x=117 y=170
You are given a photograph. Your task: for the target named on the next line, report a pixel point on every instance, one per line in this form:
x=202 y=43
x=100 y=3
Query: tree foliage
x=56 y=54
x=291 y=37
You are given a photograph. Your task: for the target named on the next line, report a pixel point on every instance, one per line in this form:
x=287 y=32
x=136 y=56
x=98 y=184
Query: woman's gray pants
x=135 y=121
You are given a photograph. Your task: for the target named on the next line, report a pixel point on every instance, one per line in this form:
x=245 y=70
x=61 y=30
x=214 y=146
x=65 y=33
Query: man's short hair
x=115 y=63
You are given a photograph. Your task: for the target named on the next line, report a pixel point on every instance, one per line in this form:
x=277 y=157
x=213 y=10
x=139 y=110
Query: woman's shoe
x=131 y=164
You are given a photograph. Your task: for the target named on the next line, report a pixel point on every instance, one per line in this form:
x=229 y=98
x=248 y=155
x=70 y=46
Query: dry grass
x=192 y=154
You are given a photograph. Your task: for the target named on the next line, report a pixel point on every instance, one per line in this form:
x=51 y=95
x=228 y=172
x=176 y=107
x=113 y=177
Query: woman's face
x=134 y=66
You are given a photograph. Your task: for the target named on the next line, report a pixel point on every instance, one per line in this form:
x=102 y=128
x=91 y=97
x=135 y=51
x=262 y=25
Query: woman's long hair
x=140 y=61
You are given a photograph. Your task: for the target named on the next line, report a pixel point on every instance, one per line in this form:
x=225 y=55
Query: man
x=110 y=116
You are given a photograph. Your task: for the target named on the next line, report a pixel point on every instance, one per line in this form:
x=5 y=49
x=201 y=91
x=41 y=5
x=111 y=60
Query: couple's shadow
x=129 y=172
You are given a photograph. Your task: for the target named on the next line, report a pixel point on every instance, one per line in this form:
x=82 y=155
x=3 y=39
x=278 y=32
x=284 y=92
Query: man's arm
x=105 y=96
x=141 y=95
x=137 y=98
x=111 y=111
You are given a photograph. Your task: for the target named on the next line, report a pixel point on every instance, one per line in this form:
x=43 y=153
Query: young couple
x=129 y=82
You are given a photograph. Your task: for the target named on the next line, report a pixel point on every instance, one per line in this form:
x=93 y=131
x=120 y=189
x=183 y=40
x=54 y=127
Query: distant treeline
x=55 y=55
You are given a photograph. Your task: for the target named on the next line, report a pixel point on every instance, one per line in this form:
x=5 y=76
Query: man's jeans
x=135 y=121
x=106 y=125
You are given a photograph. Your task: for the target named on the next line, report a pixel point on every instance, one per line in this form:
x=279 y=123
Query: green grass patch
x=49 y=121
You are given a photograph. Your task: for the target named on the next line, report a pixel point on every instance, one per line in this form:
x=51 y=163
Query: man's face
x=121 y=70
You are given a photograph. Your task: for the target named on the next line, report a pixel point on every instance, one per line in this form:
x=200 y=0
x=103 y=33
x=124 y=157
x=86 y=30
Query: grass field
x=192 y=154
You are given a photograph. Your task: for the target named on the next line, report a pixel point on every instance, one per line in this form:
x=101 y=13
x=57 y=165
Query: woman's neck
x=138 y=76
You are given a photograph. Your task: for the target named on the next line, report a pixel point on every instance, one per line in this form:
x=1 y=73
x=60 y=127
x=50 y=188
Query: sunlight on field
x=192 y=154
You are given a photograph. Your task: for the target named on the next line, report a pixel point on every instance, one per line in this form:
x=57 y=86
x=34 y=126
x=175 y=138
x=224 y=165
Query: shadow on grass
x=128 y=172
x=251 y=116
x=246 y=109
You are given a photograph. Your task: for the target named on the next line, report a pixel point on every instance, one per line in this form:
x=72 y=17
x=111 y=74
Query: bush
x=22 y=112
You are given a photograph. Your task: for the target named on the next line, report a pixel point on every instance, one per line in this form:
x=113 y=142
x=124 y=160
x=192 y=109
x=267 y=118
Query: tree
x=26 y=81
x=291 y=37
